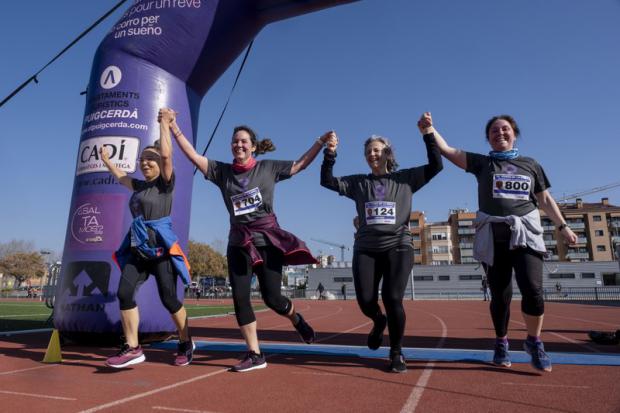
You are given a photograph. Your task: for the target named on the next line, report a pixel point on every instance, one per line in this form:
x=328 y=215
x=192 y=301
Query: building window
x=343 y=279
x=415 y=237
x=443 y=278
x=585 y=275
x=562 y=275
x=440 y=250
x=470 y=277
x=601 y=248
x=422 y=278
x=439 y=236
x=596 y=218
x=440 y=262
x=414 y=223
x=598 y=232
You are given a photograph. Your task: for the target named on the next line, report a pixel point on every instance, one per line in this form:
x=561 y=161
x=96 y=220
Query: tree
x=204 y=260
x=13 y=246
x=23 y=265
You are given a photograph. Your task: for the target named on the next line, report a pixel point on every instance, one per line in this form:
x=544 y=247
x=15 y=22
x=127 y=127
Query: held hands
x=166 y=116
x=330 y=139
x=425 y=124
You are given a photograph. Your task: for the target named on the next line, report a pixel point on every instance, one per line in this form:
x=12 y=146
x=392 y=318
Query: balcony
x=465 y=245
x=581 y=240
x=549 y=227
x=466 y=231
x=467 y=253
x=578 y=256
x=576 y=225
x=615 y=239
x=614 y=224
x=466 y=223
x=552 y=258
x=551 y=242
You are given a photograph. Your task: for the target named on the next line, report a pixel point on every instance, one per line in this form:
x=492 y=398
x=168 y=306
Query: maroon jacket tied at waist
x=295 y=250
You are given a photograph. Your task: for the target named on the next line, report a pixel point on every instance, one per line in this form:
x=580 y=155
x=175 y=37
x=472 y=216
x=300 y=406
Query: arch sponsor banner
x=161 y=53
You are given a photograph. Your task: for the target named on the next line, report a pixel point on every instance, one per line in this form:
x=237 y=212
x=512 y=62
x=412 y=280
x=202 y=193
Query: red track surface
x=334 y=384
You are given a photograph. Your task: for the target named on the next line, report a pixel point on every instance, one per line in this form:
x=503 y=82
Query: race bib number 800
x=511 y=186
x=380 y=212
x=246 y=202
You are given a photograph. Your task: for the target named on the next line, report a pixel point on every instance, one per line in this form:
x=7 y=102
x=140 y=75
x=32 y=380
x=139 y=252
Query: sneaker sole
x=503 y=364
x=137 y=360
x=260 y=366
x=548 y=369
x=308 y=342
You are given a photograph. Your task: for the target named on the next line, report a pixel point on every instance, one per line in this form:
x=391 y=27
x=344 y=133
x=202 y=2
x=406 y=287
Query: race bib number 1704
x=246 y=202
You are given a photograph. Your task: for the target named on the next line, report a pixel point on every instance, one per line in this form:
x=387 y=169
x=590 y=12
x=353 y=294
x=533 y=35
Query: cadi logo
x=123 y=152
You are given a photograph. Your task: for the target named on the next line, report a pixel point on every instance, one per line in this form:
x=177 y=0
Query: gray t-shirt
x=249 y=195
x=383 y=202
x=383 y=205
x=507 y=187
x=152 y=200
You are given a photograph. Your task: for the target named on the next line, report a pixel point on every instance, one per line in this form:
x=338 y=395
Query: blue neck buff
x=504 y=155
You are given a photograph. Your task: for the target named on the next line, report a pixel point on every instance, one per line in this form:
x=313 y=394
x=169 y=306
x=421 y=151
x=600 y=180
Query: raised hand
x=331 y=140
x=166 y=115
x=425 y=123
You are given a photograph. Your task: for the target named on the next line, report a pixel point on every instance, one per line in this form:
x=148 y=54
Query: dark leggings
x=394 y=267
x=269 y=275
x=527 y=265
x=136 y=271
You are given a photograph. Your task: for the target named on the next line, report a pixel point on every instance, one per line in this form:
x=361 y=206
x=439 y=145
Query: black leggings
x=136 y=271
x=394 y=267
x=527 y=265
x=269 y=275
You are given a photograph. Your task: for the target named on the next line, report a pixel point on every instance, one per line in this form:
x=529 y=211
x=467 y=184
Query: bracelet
x=320 y=142
x=177 y=132
x=562 y=226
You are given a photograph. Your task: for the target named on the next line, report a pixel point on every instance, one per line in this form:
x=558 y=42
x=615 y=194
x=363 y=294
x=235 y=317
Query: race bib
x=380 y=212
x=246 y=202
x=511 y=186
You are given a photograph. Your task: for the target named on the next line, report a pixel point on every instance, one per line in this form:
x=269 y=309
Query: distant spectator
x=343 y=289
x=321 y=290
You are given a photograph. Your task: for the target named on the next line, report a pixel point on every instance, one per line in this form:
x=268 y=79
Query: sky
x=370 y=67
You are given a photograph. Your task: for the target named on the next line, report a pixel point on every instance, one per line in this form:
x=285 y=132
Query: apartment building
x=462 y=224
x=416 y=225
x=438 y=244
x=597 y=226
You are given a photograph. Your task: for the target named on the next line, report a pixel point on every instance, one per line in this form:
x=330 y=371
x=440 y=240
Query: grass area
x=31 y=315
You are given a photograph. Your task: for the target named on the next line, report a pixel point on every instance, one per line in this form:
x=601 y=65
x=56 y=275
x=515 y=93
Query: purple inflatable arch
x=161 y=53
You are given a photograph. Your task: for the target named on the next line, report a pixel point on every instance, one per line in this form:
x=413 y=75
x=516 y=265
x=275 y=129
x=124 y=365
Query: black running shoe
x=305 y=331
x=397 y=362
x=375 y=337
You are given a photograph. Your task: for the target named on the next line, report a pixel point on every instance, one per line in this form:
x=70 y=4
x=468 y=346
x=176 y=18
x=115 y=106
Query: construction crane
x=588 y=192
x=333 y=244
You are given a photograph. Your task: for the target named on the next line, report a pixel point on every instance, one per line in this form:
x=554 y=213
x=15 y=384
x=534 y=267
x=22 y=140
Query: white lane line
x=344 y=332
x=4 y=373
x=416 y=394
x=40 y=396
x=563 y=337
x=151 y=392
x=22 y=315
x=16 y=332
x=582 y=319
x=174 y=409
x=546 y=385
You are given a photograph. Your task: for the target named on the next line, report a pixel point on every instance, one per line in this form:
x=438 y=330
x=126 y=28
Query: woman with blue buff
x=511 y=189
x=151 y=247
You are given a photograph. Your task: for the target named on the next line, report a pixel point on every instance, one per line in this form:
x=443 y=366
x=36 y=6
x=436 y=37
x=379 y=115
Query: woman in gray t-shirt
x=256 y=243
x=510 y=187
x=158 y=253
x=383 y=248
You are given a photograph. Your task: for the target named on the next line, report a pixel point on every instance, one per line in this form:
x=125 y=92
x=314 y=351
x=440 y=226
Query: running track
x=306 y=382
